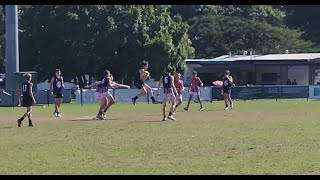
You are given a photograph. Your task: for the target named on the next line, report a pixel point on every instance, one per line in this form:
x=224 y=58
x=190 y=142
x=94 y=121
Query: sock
x=152 y=98
x=230 y=103
x=30 y=122
x=105 y=110
x=136 y=97
x=170 y=113
x=164 y=116
x=226 y=105
x=100 y=112
x=22 y=118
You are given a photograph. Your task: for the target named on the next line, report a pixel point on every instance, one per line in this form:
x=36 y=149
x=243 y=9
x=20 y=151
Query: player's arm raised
x=120 y=85
x=93 y=84
x=112 y=84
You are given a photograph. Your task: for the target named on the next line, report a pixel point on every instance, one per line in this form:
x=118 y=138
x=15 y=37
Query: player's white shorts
x=179 y=97
x=103 y=95
x=168 y=96
x=194 y=93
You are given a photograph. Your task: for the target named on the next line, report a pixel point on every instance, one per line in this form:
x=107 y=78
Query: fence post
x=48 y=100
x=211 y=98
x=308 y=95
x=280 y=94
x=12 y=98
x=81 y=101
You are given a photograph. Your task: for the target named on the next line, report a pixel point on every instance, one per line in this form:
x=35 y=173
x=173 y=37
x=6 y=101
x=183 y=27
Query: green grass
x=257 y=137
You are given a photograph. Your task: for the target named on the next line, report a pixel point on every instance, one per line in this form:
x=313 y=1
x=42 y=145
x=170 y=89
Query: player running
x=102 y=94
x=139 y=81
x=112 y=85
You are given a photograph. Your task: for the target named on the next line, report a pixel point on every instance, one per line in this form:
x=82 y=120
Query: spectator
x=288 y=82
x=294 y=82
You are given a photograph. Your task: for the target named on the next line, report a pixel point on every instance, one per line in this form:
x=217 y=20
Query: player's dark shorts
x=138 y=84
x=57 y=95
x=27 y=101
x=227 y=91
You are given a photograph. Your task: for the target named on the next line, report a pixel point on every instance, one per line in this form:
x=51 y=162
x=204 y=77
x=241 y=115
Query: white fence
x=125 y=95
x=314 y=92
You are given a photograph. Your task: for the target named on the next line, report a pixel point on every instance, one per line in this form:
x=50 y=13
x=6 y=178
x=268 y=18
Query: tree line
x=87 y=39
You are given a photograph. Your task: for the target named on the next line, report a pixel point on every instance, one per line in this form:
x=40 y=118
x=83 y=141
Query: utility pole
x=12 y=45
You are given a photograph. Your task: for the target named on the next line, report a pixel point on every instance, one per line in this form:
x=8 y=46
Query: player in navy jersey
x=112 y=85
x=56 y=87
x=139 y=81
x=103 y=95
x=169 y=93
x=226 y=89
x=27 y=100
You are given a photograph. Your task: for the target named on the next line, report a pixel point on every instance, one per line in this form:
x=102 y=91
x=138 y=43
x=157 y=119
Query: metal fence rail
x=85 y=96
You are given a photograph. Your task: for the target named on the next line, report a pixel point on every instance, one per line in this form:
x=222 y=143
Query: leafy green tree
x=213 y=36
x=87 y=39
x=304 y=17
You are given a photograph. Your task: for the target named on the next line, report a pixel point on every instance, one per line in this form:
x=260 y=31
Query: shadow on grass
x=94 y=119
x=194 y=111
x=159 y=121
x=8 y=127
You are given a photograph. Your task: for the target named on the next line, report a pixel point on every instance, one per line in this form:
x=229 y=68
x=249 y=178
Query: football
x=146 y=73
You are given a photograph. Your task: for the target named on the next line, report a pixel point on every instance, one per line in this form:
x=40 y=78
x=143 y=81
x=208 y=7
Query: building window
x=316 y=75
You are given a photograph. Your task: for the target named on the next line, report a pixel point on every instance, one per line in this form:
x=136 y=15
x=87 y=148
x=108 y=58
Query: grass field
x=257 y=137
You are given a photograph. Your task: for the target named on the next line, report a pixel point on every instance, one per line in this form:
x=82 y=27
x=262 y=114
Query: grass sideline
x=257 y=137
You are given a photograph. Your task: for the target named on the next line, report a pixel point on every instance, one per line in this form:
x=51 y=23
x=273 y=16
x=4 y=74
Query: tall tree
x=213 y=36
x=186 y=11
x=257 y=13
x=304 y=17
x=92 y=38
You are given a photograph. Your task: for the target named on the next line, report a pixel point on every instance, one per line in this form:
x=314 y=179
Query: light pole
x=12 y=45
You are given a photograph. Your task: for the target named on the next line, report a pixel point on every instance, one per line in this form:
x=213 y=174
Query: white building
x=272 y=69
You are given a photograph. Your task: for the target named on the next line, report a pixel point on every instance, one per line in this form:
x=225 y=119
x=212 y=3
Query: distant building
x=272 y=69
